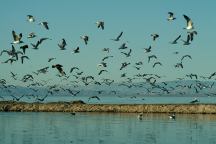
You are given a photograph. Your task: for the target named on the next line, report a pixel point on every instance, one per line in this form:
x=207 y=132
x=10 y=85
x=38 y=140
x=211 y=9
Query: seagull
x=127 y=54
x=22 y=58
x=154 y=36
x=189 y=23
x=123 y=46
x=10 y=59
x=124 y=65
x=45 y=24
x=185 y=57
x=93 y=97
x=101 y=71
x=175 y=41
x=73 y=68
x=106 y=50
x=140 y=116
x=179 y=65
x=194 y=101
x=30 y=18
x=192 y=34
x=187 y=42
x=100 y=24
x=147 y=50
x=50 y=59
x=171 y=16
x=150 y=57
x=156 y=63
x=85 y=38
x=31 y=35
x=106 y=57
x=62 y=44
x=76 y=50
x=118 y=37
x=17 y=38
x=102 y=64
x=173 y=116
x=59 y=68
x=24 y=47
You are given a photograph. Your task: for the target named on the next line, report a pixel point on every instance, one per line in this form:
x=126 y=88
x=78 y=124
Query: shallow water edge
x=79 y=106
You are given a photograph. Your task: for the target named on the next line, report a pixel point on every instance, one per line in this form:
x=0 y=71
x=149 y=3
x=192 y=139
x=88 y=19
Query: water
x=105 y=128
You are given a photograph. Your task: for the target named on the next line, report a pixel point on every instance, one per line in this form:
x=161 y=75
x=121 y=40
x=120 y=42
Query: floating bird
x=31 y=35
x=189 y=23
x=59 y=68
x=171 y=16
x=76 y=50
x=100 y=24
x=30 y=18
x=45 y=24
x=154 y=36
x=85 y=38
x=24 y=57
x=175 y=41
x=118 y=37
x=24 y=47
x=62 y=44
x=195 y=100
x=17 y=38
x=140 y=116
x=172 y=116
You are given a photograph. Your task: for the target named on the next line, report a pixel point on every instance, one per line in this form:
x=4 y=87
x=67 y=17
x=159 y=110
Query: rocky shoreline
x=80 y=106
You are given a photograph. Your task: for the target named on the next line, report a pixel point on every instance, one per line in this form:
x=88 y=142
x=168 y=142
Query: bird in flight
x=24 y=47
x=154 y=36
x=175 y=41
x=59 y=68
x=77 y=50
x=157 y=63
x=45 y=24
x=118 y=37
x=30 y=18
x=17 y=38
x=85 y=38
x=31 y=35
x=100 y=24
x=171 y=16
x=62 y=44
x=189 y=23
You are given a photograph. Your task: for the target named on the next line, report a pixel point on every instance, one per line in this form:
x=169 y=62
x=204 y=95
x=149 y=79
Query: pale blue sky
x=138 y=19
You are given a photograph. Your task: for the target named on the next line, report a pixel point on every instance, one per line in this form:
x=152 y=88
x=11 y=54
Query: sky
x=70 y=19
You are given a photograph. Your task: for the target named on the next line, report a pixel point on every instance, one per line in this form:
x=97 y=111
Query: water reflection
x=105 y=128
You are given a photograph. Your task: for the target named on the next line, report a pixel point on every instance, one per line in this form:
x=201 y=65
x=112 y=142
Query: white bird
x=30 y=18
x=173 y=116
x=31 y=35
x=189 y=23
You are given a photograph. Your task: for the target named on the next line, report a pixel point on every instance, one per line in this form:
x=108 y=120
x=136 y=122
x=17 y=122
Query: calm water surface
x=105 y=128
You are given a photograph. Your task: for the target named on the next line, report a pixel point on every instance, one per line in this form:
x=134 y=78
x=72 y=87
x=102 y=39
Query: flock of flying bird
x=149 y=81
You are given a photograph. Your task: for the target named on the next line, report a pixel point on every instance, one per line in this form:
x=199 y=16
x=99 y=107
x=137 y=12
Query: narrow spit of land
x=80 y=106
